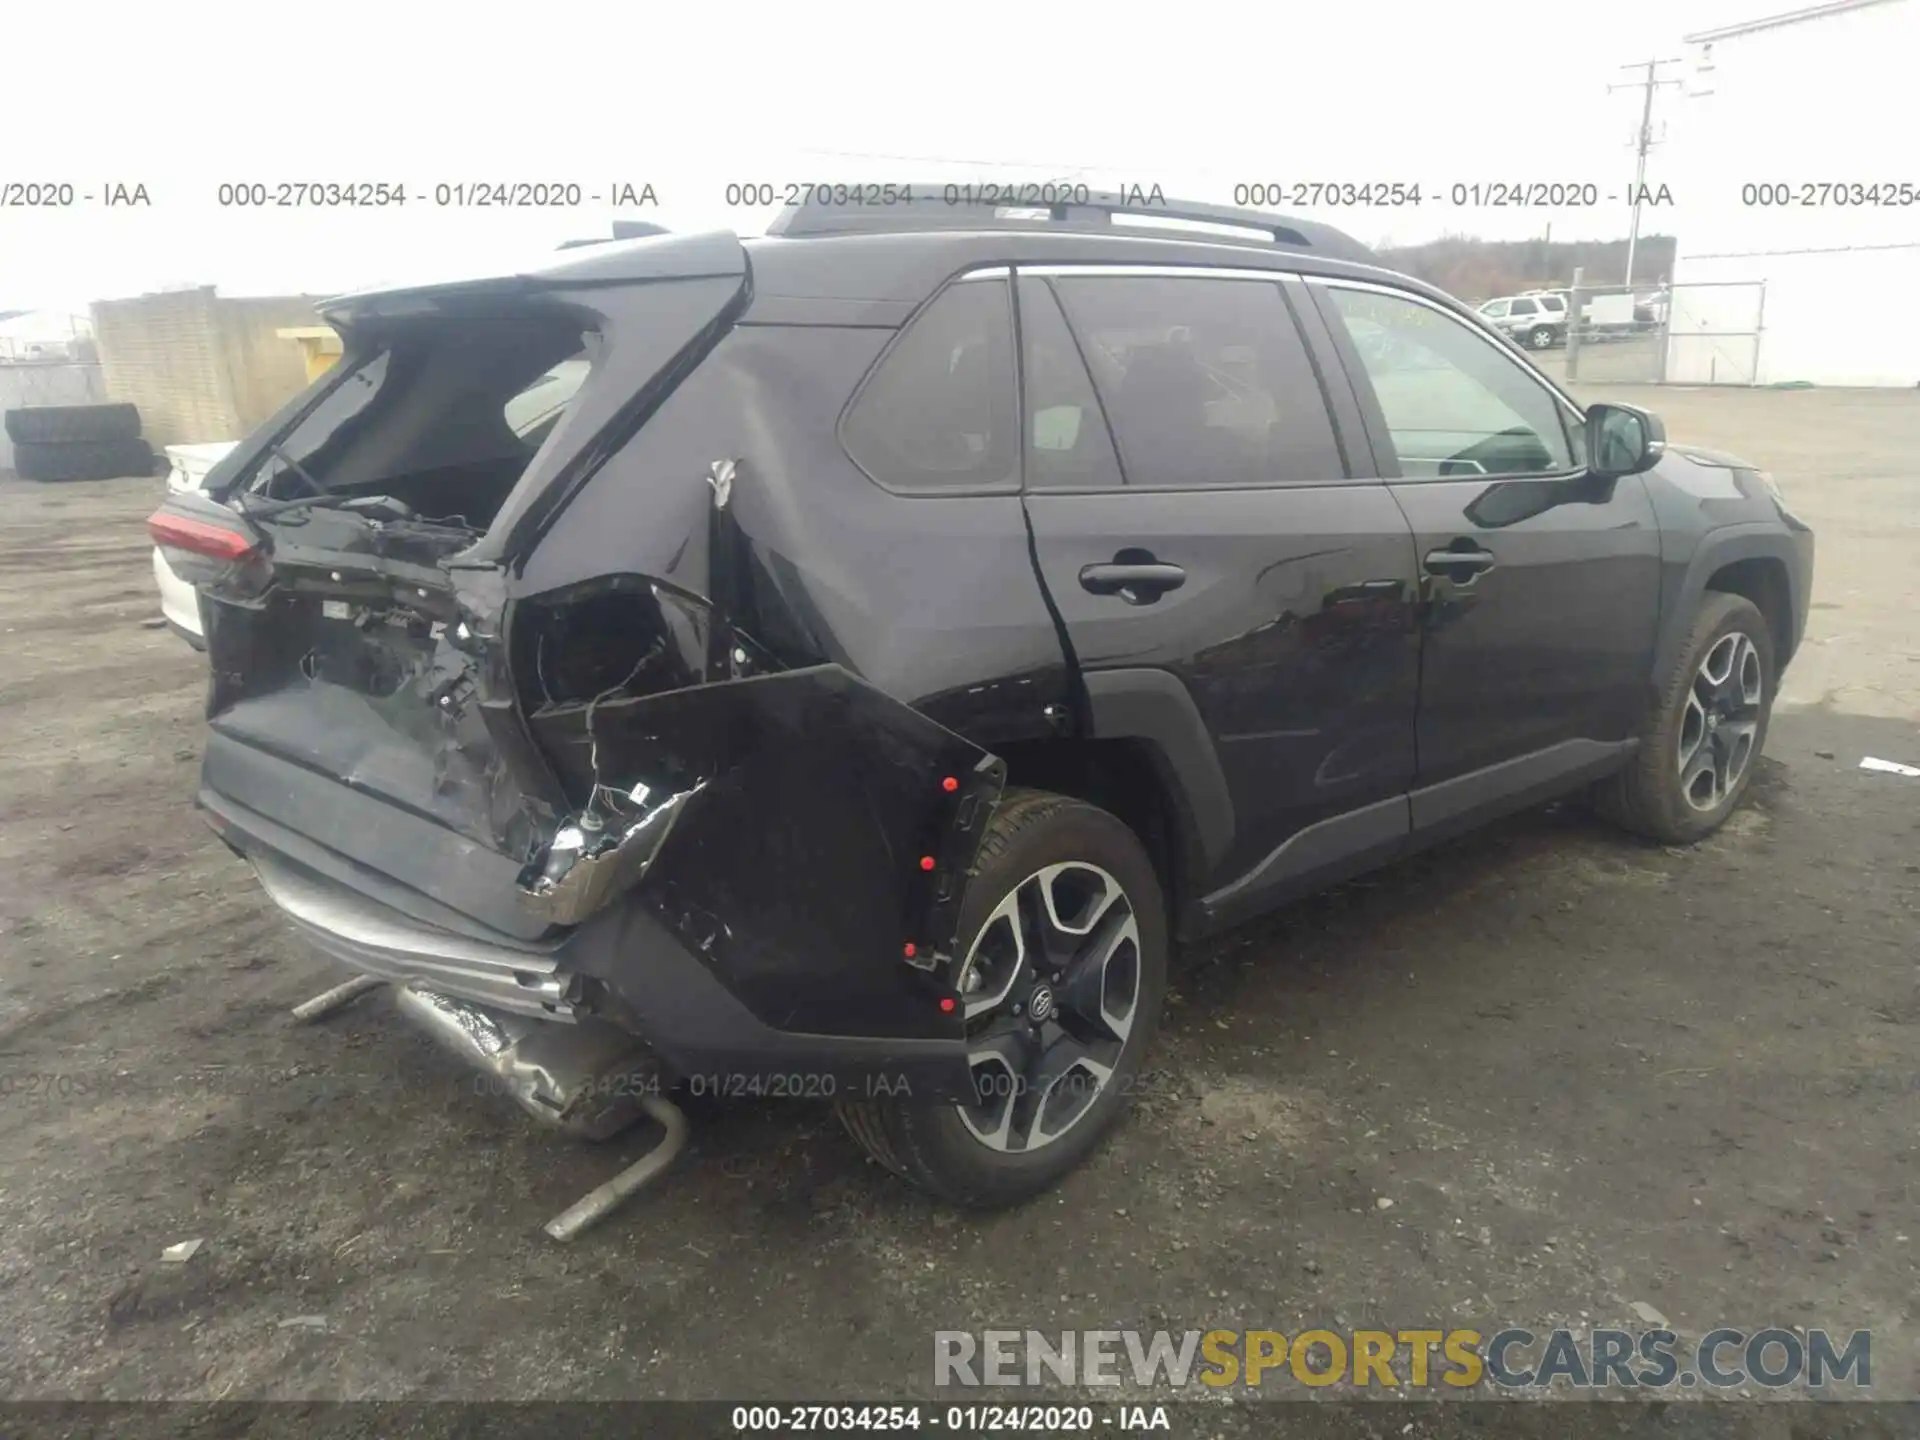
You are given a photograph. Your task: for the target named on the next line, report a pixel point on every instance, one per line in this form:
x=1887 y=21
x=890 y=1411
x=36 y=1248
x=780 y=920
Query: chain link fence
x=1690 y=334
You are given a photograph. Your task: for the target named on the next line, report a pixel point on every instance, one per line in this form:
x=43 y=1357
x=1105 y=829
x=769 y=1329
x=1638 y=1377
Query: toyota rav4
x=846 y=662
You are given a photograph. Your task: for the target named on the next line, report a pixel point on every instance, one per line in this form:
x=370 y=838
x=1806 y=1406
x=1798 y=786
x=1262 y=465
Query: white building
x=42 y=335
x=1791 y=265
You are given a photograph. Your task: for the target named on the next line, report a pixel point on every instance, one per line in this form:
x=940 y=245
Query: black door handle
x=1136 y=582
x=1461 y=566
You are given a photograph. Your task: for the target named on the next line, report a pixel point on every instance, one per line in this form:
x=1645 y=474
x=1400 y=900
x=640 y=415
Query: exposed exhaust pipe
x=587 y=1078
x=338 y=998
x=601 y=1201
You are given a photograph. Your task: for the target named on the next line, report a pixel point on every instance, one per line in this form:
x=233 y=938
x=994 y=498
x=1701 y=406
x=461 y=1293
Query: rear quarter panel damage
x=931 y=598
x=815 y=654
x=798 y=870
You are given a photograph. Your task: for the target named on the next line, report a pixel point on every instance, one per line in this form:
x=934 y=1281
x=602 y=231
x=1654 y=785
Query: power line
x=1643 y=142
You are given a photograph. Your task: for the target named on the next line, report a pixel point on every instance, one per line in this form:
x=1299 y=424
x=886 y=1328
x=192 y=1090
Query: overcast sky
x=184 y=96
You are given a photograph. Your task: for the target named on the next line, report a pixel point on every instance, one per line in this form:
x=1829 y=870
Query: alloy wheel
x=1050 y=988
x=1721 y=721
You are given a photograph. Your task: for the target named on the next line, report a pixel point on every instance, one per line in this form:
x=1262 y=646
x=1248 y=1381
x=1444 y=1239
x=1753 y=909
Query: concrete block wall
x=161 y=353
x=201 y=368
x=264 y=371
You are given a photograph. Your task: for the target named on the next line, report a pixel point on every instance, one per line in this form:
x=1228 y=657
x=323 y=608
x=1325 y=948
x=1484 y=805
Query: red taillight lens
x=198 y=537
x=211 y=555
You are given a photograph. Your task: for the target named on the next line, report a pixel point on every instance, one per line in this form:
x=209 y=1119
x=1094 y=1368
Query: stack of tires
x=78 y=442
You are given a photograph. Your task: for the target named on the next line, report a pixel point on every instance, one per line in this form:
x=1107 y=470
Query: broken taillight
x=206 y=552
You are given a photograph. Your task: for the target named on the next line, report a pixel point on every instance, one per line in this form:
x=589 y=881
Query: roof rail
x=1057 y=205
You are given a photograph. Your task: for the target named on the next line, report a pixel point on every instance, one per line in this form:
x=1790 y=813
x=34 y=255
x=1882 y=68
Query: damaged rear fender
x=804 y=835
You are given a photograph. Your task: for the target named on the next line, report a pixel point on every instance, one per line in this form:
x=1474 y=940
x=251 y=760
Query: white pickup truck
x=179 y=602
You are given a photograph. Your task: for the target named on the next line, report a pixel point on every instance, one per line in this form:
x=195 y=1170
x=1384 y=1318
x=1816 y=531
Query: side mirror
x=1623 y=440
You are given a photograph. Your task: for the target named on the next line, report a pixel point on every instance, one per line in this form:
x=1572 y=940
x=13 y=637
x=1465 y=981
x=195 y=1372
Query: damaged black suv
x=844 y=663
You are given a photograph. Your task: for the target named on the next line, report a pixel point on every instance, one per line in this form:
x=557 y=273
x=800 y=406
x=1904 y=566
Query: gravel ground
x=1585 y=1071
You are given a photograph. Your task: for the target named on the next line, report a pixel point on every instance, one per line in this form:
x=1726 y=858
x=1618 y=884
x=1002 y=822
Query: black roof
x=873 y=264
x=622 y=230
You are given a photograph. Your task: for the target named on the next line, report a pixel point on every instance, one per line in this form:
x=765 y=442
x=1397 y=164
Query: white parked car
x=179 y=602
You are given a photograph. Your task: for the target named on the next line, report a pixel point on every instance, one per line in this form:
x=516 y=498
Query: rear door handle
x=1458 y=565
x=1136 y=582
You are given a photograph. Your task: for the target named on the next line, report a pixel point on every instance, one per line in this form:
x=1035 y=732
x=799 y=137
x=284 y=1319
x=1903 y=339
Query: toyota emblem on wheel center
x=1040 y=1004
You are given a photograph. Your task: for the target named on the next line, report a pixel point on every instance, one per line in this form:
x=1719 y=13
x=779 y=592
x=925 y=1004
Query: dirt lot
x=1586 y=1072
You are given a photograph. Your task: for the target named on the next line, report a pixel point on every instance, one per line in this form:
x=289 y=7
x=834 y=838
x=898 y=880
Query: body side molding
x=1150 y=704
x=1351 y=842
x=1479 y=795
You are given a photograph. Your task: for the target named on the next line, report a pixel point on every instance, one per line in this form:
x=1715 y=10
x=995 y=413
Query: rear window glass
x=940 y=412
x=447 y=412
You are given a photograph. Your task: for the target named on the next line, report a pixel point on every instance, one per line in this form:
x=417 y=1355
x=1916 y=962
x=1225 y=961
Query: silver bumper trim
x=382 y=942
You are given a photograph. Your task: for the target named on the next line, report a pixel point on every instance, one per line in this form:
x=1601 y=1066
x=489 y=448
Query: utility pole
x=1643 y=142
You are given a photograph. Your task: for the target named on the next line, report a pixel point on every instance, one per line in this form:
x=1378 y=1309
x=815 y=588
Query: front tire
x=1699 y=744
x=1062 y=973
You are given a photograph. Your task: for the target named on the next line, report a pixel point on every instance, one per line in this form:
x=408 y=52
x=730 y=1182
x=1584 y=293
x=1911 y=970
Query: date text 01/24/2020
x=960 y=1419
x=462 y=195
x=1474 y=194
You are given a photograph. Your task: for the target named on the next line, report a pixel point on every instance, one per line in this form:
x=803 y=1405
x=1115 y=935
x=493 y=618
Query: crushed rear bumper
x=793 y=936
x=385 y=943
x=700 y=1031
x=667 y=995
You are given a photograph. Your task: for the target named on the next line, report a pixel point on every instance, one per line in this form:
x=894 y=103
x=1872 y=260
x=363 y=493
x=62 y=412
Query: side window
x=1524 y=306
x=529 y=413
x=1067 y=439
x=1495 y=309
x=1206 y=381
x=1455 y=402
x=940 y=412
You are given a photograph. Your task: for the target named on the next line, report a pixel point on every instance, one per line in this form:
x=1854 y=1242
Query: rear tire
x=66 y=424
x=1540 y=338
x=1045 y=858
x=82 y=459
x=1702 y=737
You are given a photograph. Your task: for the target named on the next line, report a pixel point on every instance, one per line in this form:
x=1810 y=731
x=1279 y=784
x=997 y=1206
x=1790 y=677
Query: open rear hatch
x=360 y=706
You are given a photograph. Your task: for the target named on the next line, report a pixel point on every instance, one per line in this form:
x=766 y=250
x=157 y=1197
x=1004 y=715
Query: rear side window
x=532 y=412
x=1067 y=439
x=1206 y=381
x=941 y=412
